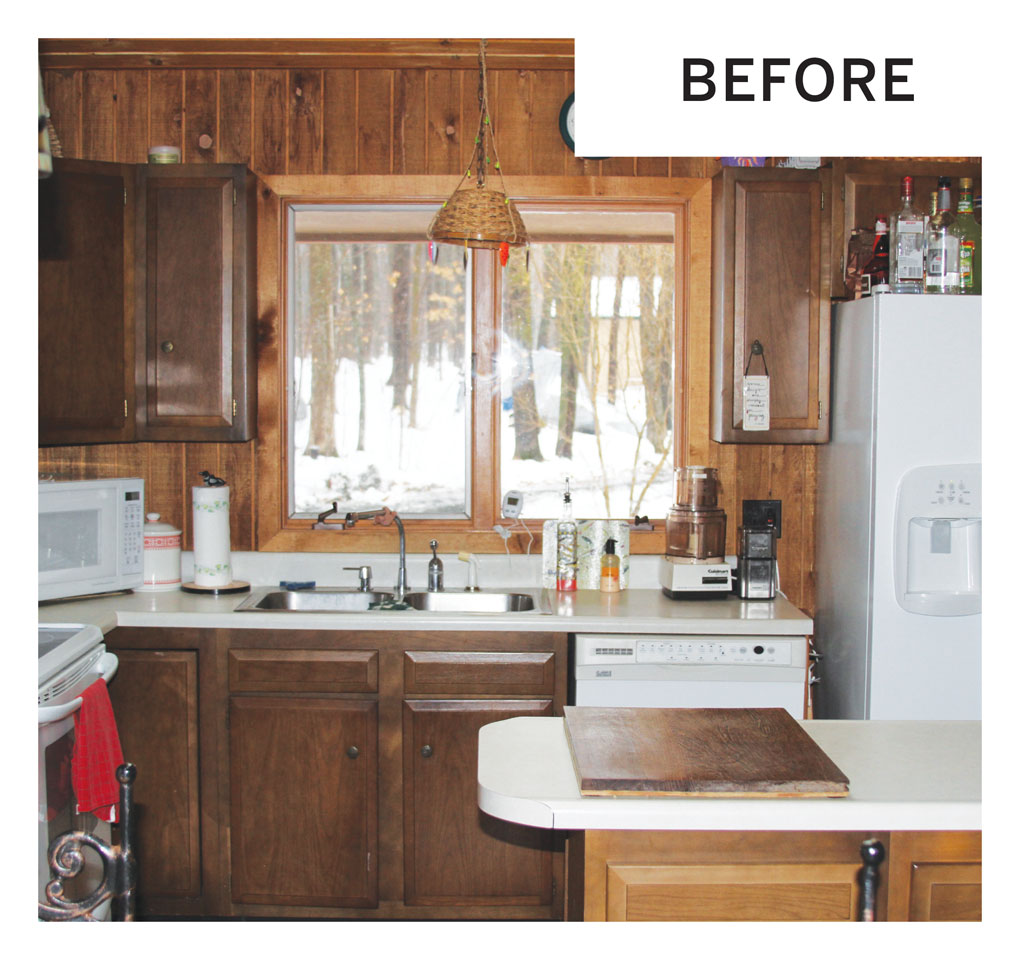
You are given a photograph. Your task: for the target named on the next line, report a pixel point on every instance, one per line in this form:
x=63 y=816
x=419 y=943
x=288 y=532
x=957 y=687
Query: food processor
x=695 y=563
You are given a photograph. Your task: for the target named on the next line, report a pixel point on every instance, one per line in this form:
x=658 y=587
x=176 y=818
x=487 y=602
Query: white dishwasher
x=651 y=670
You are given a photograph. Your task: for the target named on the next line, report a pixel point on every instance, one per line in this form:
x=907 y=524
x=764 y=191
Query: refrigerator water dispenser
x=937 y=546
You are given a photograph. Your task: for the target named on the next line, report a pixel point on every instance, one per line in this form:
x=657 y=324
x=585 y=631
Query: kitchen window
x=436 y=384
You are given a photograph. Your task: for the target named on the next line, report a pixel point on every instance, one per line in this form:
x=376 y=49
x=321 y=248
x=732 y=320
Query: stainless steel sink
x=318 y=600
x=454 y=601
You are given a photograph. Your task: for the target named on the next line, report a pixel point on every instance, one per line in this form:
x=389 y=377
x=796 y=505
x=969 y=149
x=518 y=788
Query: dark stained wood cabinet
x=155 y=702
x=303 y=779
x=865 y=189
x=195 y=294
x=86 y=337
x=146 y=303
x=770 y=283
x=453 y=852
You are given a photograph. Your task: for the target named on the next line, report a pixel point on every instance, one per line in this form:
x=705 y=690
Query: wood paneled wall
x=368 y=107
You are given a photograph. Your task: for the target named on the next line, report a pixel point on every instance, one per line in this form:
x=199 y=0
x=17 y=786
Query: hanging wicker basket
x=480 y=217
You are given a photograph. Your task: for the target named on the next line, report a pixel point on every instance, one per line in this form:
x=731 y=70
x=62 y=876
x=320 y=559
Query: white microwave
x=90 y=536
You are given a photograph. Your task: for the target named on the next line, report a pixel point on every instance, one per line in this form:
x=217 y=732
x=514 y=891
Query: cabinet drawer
x=476 y=673
x=326 y=671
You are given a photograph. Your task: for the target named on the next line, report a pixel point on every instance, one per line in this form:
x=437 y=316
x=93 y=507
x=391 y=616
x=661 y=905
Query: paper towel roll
x=210 y=510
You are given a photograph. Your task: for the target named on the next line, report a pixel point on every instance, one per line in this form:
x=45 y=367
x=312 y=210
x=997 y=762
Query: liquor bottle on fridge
x=970 y=244
x=566 y=546
x=875 y=275
x=906 y=243
x=942 y=270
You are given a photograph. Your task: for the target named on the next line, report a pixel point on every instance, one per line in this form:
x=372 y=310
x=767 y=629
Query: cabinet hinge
x=125 y=196
x=823 y=199
x=125 y=408
x=842 y=265
x=842 y=192
x=234 y=402
x=235 y=196
x=819 y=409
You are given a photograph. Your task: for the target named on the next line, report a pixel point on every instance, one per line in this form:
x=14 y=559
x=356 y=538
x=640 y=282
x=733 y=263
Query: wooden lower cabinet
x=650 y=875
x=155 y=702
x=453 y=852
x=303 y=780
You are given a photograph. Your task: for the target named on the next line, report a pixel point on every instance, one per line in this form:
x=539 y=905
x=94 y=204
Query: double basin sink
x=339 y=600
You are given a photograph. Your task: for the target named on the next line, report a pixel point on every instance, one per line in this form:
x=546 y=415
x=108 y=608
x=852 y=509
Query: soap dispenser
x=435 y=570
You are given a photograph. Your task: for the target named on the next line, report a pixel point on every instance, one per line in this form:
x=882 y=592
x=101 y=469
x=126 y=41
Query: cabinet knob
x=426 y=751
x=167 y=346
x=872 y=854
x=352 y=752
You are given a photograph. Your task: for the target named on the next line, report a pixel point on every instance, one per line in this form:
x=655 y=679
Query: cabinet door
x=195 y=303
x=454 y=853
x=155 y=702
x=866 y=189
x=303 y=781
x=770 y=283
x=935 y=876
x=86 y=342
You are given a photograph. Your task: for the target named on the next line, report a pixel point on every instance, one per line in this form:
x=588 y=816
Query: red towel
x=96 y=755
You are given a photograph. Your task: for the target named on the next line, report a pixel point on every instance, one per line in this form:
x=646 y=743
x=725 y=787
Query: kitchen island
x=914 y=786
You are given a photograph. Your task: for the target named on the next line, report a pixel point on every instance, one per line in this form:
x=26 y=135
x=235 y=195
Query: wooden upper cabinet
x=86 y=340
x=770 y=283
x=146 y=303
x=866 y=189
x=196 y=303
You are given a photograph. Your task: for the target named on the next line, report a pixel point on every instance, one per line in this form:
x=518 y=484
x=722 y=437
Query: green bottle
x=970 y=244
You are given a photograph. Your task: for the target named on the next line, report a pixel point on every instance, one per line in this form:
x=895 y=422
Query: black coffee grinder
x=757 y=569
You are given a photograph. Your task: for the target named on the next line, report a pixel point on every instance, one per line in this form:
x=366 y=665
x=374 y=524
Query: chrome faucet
x=435 y=570
x=400 y=590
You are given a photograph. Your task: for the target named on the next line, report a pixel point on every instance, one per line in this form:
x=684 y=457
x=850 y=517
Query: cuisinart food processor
x=695 y=564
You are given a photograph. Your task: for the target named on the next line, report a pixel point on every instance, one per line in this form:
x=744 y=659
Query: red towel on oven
x=96 y=755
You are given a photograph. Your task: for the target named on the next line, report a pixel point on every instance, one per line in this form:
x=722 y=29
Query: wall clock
x=567 y=125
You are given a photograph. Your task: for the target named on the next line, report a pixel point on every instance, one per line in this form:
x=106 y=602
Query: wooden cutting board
x=697 y=752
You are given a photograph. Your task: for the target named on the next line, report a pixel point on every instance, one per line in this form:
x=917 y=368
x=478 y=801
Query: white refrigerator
x=898 y=523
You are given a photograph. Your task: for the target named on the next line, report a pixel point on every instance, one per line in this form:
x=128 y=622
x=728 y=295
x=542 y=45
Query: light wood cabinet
x=146 y=303
x=770 y=284
x=935 y=876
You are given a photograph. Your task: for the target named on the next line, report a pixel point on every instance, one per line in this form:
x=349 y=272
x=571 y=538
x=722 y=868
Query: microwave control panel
x=131 y=521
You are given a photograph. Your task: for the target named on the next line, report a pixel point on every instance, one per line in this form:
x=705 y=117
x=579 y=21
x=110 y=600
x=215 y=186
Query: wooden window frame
x=276 y=531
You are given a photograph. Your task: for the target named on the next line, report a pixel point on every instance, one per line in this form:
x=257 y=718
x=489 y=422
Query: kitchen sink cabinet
x=146 y=303
x=770 y=285
x=865 y=189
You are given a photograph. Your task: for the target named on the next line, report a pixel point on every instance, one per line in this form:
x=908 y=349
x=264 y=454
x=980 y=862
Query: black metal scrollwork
x=67 y=858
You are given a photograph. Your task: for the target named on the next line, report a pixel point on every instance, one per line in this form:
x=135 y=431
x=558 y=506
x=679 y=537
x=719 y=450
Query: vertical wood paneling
x=549 y=154
x=200 y=113
x=63 y=99
x=166 y=107
x=510 y=115
x=373 y=125
x=132 y=116
x=270 y=121
x=99 y=125
x=339 y=113
x=409 y=121
x=652 y=166
x=234 y=119
x=164 y=482
x=448 y=123
x=304 y=121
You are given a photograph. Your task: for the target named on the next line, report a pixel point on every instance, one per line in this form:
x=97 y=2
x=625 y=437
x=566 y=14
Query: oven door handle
x=106 y=667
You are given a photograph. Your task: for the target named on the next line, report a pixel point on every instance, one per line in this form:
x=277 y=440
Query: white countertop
x=588 y=611
x=903 y=776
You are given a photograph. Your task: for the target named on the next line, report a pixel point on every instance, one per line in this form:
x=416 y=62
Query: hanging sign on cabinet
x=755 y=393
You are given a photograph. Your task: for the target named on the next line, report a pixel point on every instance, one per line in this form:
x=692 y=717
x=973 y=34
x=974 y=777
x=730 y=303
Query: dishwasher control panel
x=619 y=649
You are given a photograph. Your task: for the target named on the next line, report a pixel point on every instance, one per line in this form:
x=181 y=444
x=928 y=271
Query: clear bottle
x=906 y=243
x=875 y=275
x=970 y=244
x=610 y=579
x=942 y=269
x=566 y=546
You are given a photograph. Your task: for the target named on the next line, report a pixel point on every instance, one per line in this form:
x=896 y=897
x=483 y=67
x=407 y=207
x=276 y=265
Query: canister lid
x=153 y=526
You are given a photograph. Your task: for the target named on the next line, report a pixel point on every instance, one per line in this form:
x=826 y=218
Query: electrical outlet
x=764 y=513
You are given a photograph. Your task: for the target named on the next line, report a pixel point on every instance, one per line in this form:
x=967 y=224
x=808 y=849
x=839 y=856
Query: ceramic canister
x=161 y=555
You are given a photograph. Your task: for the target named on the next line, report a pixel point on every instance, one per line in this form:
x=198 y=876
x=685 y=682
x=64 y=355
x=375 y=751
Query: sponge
x=297 y=584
